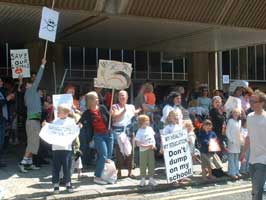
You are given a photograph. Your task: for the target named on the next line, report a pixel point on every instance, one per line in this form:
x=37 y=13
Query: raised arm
x=39 y=75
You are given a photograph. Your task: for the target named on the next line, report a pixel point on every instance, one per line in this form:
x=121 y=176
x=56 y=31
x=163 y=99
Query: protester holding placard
x=33 y=127
x=208 y=148
x=122 y=115
x=95 y=120
x=146 y=142
x=173 y=103
x=62 y=154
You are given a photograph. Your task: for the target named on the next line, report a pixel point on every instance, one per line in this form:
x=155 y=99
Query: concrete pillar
x=201 y=69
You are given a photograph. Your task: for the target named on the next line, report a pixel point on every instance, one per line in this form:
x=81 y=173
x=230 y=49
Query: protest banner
x=232 y=103
x=177 y=157
x=113 y=75
x=20 y=63
x=62 y=99
x=58 y=134
x=49 y=23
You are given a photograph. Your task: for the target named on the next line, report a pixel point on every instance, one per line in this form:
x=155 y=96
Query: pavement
x=36 y=184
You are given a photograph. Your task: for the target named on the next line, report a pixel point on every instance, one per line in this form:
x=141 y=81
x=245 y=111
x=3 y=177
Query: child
x=150 y=99
x=62 y=155
x=244 y=168
x=191 y=135
x=210 y=160
x=234 y=143
x=146 y=142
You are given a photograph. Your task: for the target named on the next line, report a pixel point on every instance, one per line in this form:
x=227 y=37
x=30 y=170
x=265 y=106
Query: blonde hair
x=142 y=119
x=187 y=124
x=90 y=97
x=171 y=113
x=236 y=110
x=64 y=107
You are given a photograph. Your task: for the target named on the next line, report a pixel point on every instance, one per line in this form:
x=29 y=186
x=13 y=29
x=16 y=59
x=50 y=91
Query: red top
x=98 y=123
x=150 y=98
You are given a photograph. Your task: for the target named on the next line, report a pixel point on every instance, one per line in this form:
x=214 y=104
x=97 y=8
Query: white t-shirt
x=168 y=109
x=256 y=125
x=145 y=136
x=63 y=122
x=127 y=116
x=233 y=133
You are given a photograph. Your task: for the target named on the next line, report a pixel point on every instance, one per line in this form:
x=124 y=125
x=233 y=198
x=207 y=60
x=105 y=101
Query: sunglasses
x=253 y=101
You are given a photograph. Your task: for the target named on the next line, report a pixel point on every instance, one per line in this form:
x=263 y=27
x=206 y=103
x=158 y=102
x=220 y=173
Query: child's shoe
x=69 y=188
x=22 y=168
x=142 y=182
x=56 y=190
x=152 y=182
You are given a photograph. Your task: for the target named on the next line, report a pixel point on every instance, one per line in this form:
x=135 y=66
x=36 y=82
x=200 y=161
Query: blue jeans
x=233 y=164
x=244 y=168
x=258 y=178
x=104 y=144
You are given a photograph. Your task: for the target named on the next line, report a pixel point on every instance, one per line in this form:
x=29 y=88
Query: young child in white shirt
x=146 y=142
x=233 y=133
x=62 y=155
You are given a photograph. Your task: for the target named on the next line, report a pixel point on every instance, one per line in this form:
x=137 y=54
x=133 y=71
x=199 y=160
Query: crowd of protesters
x=25 y=107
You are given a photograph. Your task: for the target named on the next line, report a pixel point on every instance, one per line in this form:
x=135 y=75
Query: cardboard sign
x=62 y=99
x=59 y=135
x=113 y=75
x=20 y=63
x=177 y=157
x=49 y=24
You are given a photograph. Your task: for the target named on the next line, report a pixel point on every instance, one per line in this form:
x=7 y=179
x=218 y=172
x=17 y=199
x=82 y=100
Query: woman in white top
x=122 y=114
x=173 y=104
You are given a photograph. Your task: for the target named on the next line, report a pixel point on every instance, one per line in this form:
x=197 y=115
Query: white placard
x=177 y=157
x=113 y=75
x=58 y=134
x=226 y=79
x=62 y=99
x=20 y=63
x=232 y=103
x=49 y=24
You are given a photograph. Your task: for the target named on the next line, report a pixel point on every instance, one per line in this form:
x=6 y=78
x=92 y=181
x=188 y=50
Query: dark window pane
x=155 y=61
x=243 y=63
x=66 y=57
x=167 y=67
x=178 y=66
x=116 y=55
x=76 y=57
x=129 y=56
x=90 y=57
x=103 y=54
x=141 y=61
x=186 y=70
x=251 y=63
x=259 y=60
x=234 y=64
x=226 y=62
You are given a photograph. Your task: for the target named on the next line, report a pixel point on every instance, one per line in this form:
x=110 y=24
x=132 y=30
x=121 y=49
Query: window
x=243 y=63
x=66 y=58
x=251 y=63
x=178 y=66
x=76 y=57
x=128 y=56
x=234 y=64
x=2 y=55
x=155 y=61
x=103 y=54
x=141 y=61
x=259 y=62
x=167 y=66
x=226 y=63
x=116 y=55
x=90 y=57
